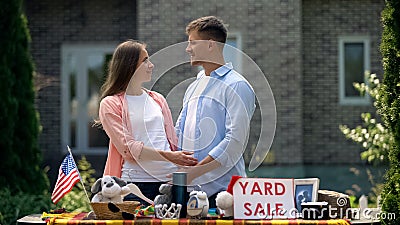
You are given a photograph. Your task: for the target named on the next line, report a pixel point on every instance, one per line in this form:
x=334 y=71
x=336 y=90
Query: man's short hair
x=208 y=27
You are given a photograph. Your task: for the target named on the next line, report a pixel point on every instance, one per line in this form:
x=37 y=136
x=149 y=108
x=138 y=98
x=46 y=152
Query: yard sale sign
x=263 y=198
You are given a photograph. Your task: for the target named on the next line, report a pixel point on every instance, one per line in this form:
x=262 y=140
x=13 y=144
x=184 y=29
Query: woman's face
x=144 y=68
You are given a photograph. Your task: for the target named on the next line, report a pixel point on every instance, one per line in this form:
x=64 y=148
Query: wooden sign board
x=264 y=198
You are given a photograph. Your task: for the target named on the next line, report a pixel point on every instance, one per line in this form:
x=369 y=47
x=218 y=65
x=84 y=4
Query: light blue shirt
x=222 y=118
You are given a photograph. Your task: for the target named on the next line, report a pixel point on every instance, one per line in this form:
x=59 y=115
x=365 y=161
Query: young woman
x=138 y=123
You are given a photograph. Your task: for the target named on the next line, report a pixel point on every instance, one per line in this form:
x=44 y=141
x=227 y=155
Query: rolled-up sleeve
x=240 y=106
x=111 y=117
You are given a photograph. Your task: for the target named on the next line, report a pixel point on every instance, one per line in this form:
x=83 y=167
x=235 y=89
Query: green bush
x=389 y=105
x=382 y=141
x=15 y=206
x=19 y=119
x=374 y=136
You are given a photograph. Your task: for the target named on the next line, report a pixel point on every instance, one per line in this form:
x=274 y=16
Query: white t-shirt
x=190 y=123
x=148 y=127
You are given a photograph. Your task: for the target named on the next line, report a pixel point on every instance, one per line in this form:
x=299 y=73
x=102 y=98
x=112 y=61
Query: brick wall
x=54 y=22
x=271 y=36
x=323 y=23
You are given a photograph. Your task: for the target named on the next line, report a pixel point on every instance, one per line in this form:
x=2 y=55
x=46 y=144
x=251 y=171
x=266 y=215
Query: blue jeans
x=211 y=201
x=149 y=189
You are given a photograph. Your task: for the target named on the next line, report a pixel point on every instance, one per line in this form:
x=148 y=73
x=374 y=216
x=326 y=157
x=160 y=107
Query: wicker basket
x=338 y=203
x=103 y=212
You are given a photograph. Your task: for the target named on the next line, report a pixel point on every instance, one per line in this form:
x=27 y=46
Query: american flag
x=68 y=176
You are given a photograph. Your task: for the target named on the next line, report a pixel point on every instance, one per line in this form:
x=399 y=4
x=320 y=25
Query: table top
x=31 y=219
x=80 y=218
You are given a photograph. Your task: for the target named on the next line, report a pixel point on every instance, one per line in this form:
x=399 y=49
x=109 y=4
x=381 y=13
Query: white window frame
x=82 y=138
x=362 y=100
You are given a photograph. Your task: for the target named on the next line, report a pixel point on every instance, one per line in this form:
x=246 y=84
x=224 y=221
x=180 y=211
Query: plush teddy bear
x=224 y=199
x=109 y=189
x=166 y=195
x=224 y=202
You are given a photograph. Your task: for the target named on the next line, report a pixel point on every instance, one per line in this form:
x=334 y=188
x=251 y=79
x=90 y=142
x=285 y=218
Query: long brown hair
x=121 y=68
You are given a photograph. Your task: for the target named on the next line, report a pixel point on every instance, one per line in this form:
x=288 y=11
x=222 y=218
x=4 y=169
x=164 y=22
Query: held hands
x=182 y=158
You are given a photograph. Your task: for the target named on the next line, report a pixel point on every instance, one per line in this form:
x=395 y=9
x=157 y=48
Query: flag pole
x=79 y=174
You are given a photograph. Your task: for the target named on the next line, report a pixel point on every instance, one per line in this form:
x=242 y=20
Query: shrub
x=20 y=169
x=15 y=206
x=374 y=136
x=389 y=105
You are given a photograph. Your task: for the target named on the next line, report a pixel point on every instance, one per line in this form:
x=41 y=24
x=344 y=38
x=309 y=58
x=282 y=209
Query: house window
x=83 y=72
x=233 y=50
x=354 y=62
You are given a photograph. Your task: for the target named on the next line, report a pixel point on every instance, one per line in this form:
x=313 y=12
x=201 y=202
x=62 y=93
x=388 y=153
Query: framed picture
x=305 y=190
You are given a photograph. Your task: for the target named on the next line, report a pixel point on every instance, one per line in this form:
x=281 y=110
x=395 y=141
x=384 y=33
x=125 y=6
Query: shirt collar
x=221 y=71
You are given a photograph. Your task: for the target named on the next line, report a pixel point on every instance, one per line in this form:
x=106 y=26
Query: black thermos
x=179 y=191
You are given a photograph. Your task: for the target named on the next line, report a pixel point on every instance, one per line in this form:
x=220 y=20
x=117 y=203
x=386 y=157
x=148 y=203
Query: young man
x=217 y=108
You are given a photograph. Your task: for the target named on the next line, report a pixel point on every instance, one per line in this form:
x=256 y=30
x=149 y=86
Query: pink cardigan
x=114 y=117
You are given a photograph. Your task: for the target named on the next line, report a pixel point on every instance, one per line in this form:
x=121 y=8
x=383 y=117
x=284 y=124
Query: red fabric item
x=231 y=183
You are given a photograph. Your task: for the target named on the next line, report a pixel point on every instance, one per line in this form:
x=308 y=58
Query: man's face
x=197 y=49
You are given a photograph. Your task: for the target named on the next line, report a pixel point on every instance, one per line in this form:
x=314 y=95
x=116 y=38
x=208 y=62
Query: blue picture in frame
x=303 y=194
x=306 y=190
